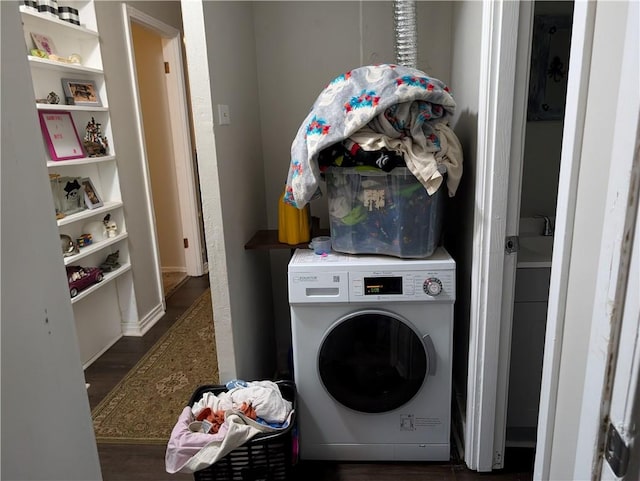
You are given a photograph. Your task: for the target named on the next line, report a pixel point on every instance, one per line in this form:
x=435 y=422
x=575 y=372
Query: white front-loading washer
x=372 y=343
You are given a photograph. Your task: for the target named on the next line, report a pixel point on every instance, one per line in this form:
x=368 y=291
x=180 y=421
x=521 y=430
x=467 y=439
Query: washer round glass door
x=372 y=361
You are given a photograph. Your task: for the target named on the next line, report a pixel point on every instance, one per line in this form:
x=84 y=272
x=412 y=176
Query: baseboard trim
x=174 y=269
x=139 y=329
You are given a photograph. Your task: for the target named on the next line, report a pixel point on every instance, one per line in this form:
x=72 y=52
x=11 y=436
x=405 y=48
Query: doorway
x=548 y=73
x=159 y=73
x=147 y=46
x=502 y=125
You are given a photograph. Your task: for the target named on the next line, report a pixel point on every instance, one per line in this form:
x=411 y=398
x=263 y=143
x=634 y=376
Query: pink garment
x=188 y=452
x=184 y=444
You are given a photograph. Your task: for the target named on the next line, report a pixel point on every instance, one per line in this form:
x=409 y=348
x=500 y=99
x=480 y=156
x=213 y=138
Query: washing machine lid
x=304 y=259
x=374 y=361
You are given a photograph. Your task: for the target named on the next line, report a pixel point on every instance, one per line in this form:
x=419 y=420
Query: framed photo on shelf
x=69 y=195
x=91 y=197
x=61 y=135
x=81 y=92
x=44 y=43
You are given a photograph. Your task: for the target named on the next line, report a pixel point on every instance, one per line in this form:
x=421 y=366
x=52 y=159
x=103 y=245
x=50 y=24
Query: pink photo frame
x=61 y=135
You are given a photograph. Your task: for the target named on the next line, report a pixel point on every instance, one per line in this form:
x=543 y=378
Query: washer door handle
x=431 y=354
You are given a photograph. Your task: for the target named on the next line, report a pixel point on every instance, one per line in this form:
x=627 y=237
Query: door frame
x=609 y=394
x=490 y=321
x=572 y=139
x=487 y=377
x=181 y=129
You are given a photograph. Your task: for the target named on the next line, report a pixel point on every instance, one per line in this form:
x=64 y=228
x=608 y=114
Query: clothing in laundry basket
x=189 y=451
x=402 y=103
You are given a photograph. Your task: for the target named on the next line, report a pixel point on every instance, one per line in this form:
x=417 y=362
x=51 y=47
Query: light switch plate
x=224 y=118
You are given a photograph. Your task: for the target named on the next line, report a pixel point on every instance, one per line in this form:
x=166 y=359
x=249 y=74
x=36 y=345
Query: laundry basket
x=265 y=457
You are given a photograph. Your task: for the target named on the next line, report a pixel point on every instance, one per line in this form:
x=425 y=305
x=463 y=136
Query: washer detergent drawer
x=318 y=287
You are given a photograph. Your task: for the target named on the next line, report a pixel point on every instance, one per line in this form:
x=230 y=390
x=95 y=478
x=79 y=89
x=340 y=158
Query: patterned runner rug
x=171 y=281
x=145 y=405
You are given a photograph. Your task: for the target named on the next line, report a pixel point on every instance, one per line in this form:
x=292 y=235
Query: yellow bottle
x=293 y=223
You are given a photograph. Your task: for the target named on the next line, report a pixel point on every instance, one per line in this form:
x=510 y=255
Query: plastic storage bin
x=375 y=212
x=268 y=456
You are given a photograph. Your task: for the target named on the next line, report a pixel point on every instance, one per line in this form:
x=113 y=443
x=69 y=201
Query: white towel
x=264 y=397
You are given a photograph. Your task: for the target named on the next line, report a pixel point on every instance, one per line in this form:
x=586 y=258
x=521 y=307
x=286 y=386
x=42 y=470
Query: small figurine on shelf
x=75 y=58
x=84 y=240
x=70 y=198
x=36 y=52
x=111 y=262
x=95 y=142
x=110 y=226
x=31 y=5
x=80 y=278
x=69 y=248
x=53 y=98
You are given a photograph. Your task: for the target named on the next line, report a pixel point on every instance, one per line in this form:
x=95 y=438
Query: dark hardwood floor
x=129 y=462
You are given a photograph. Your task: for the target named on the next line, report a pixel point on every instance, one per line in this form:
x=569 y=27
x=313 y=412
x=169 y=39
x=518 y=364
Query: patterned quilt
x=408 y=102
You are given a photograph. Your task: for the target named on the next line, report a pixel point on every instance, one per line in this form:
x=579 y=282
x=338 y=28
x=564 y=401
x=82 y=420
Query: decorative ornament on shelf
x=80 y=278
x=84 y=240
x=69 y=14
x=69 y=248
x=44 y=43
x=53 y=98
x=58 y=58
x=110 y=226
x=31 y=4
x=75 y=58
x=96 y=229
x=95 y=143
x=36 y=52
x=48 y=7
x=111 y=262
x=67 y=193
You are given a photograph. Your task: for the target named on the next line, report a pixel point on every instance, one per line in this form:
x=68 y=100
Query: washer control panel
x=402 y=286
x=432 y=286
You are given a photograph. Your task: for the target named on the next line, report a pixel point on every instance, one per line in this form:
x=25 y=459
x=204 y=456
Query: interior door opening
x=549 y=65
x=150 y=68
x=159 y=76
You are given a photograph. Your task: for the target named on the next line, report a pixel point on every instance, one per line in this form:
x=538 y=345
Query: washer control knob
x=432 y=286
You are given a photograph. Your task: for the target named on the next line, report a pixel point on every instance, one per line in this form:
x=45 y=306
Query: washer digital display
x=374 y=286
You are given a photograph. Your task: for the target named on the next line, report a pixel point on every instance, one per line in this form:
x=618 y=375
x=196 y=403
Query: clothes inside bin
x=373 y=212
x=189 y=452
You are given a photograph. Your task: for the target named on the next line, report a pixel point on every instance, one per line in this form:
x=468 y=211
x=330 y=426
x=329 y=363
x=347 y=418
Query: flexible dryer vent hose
x=404 y=17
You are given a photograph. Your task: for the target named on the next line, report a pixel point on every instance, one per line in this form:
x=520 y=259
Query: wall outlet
x=224 y=118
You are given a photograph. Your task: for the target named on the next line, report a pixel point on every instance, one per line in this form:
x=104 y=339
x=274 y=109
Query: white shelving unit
x=103 y=308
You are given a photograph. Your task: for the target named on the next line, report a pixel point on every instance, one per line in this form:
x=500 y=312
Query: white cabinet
x=527 y=351
x=103 y=308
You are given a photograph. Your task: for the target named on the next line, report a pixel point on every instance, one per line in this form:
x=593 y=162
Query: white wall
x=465 y=72
x=300 y=47
x=47 y=432
x=222 y=70
x=595 y=165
